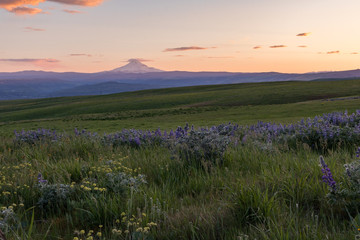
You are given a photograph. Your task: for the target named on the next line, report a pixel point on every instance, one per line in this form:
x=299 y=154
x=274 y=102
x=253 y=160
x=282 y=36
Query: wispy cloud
x=333 y=52
x=257 y=47
x=186 y=48
x=302 y=46
x=80 y=55
x=278 y=46
x=25 y=11
x=38 y=62
x=303 y=34
x=86 y=3
x=20 y=7
x=71 y=11
x=221 y=57
x=31 y=29
x=354 y=53
x=139 y=59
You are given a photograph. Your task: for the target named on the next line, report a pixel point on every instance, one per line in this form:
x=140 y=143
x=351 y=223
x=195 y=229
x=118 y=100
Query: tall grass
x=256 y=193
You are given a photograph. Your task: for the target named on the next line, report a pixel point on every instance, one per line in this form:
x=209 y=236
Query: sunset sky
x=191 y=35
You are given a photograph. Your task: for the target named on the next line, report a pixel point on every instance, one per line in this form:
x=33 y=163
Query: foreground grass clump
x=223 y=182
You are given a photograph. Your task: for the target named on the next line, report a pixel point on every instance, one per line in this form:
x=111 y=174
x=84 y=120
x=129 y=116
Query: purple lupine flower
x=158 y=132
x=137 y=141
x=358 y=152
x=327 y=176
x=41 y=179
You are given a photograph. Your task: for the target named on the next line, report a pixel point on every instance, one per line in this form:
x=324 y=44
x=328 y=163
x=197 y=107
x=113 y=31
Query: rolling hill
x=135 y=76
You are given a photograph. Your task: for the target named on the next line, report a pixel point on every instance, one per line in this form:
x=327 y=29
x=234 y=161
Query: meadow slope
x=231 y=181
x=169 y=108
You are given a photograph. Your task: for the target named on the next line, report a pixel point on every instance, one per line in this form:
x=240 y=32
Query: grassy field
x=79 y=187
x=169 y=108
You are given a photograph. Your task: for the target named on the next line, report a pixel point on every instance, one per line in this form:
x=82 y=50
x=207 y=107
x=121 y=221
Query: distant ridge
x=137 y=76
x=135 y=66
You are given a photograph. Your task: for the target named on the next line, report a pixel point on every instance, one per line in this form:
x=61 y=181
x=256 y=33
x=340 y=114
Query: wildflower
x=98 y=234
x=40 y=179
x=327 y=177
x=75 y=238
x=82 y=232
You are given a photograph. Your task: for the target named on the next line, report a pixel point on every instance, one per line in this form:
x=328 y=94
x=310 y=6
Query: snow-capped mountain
x=135 y=66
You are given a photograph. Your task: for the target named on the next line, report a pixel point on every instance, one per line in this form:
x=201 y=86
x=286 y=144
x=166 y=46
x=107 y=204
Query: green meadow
x=77 y=187
x=168 y=108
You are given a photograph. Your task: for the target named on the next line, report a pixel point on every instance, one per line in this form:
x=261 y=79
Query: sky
x=189 y=35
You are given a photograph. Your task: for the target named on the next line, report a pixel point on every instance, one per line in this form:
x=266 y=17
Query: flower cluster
x=87 y=185
x=9 y=184
x=40 y=135
x=327 y=176
x=130 y=227
x=114 y=177
x=88 y=235
x=8 y=216
x=320 y=132
x=326 y=131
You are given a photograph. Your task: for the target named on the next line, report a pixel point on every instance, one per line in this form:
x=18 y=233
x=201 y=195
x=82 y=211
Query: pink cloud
x=71 y=11
x=37 y=62
x=85 y=3
x=354 y=53
x=10 y=4
x=257 y=47
x=80 y=55
x=333 y=52
x=25 y=11
x=186 y=48
x=139 y=59
x=34 y=29
x=20 y=7
x=302 y=46
x=278 y=46
x=303 y=34
x=224 y=57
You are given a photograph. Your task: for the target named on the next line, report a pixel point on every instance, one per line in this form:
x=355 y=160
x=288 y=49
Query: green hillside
x=168 y=108
x=227 y=182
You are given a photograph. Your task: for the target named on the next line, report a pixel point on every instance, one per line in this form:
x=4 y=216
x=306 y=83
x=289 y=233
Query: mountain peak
x=136 y=66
